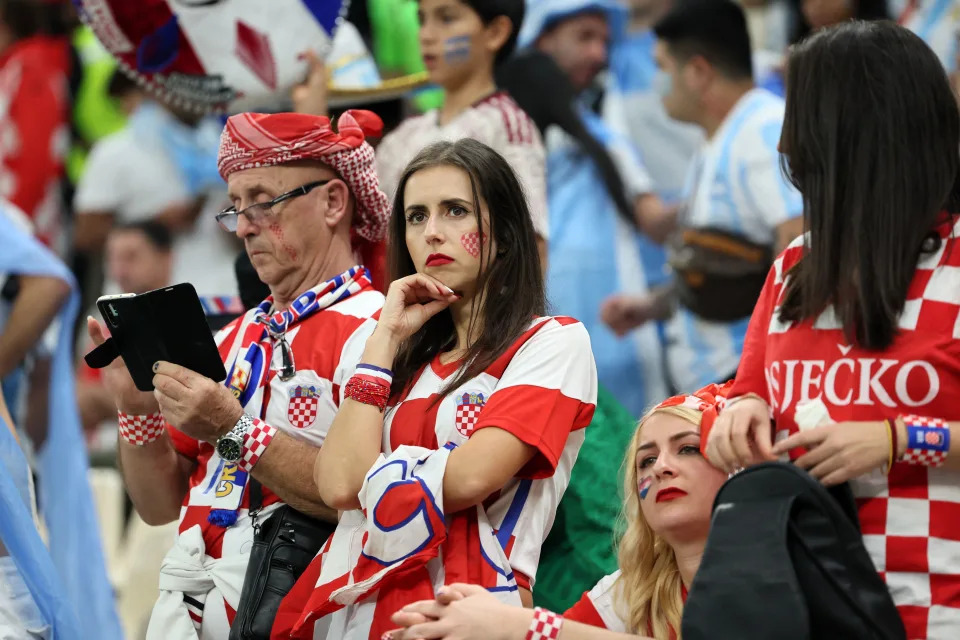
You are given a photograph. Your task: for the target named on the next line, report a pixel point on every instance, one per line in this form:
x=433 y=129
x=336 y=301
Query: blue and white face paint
x=456 y=50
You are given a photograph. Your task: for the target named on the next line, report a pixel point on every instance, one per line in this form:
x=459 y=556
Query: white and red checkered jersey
x=326 y=348
x=598 y=607
x=496 y=121
x=911 y=518
x=543 y=390
x=602 y=607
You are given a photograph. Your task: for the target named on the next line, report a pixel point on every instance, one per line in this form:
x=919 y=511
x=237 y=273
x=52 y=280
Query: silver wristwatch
x=230 y=445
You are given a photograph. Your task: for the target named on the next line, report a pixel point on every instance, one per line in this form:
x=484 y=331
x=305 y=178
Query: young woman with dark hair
x=858 y=324
x=668 y=492
x=466 y=356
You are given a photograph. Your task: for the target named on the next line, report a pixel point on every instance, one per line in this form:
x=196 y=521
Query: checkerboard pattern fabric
x=252 y=140
x=545 y=625
x=255 y=442
x=910 y=517
x=466 y=418
x=302 y=411
x=141 y=430
x=938 y=434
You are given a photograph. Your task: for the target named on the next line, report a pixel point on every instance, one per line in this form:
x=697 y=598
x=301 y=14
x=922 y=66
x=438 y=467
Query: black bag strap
x=256 y=496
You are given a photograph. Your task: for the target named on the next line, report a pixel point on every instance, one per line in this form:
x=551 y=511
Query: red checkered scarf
x=708 y=401
x=251 y=140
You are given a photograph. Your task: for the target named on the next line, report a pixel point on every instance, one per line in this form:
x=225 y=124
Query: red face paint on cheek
x=471 y=242
x=288 y=249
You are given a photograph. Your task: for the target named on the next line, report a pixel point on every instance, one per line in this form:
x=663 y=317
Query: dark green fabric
x=579 y=550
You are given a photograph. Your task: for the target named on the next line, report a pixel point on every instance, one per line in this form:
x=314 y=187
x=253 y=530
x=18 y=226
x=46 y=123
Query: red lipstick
x=438 y=260
x=670 y=493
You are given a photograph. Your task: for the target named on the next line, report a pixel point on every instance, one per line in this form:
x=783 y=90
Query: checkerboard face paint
x=456 y=50
x=471 y=242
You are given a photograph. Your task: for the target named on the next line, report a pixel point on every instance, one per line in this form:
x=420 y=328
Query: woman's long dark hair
x=544 y=91
x=510 y=290
x=871 y=138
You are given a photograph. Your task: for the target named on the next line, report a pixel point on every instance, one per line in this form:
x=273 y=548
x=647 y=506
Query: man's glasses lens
x=228 y=219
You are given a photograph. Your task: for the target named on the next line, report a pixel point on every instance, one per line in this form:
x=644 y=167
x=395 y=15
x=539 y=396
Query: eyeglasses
x=256 y=213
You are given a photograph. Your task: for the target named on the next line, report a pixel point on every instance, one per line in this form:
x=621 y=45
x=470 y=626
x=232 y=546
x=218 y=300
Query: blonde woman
x=669 y=489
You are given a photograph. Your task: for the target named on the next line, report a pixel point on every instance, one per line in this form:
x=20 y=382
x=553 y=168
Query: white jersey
x=736 y=185
x=496 y=121
x=937 y=22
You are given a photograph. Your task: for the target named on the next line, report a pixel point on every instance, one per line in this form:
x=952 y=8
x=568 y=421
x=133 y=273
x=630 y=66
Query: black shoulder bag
x=785 y=561
x=283 y=546
x=719 y=273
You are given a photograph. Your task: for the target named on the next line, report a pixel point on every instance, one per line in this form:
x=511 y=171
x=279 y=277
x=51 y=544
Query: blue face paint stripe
x=456 y=49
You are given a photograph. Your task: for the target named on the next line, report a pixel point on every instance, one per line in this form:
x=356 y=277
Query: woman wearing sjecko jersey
x=465 y=363
x=853 y=349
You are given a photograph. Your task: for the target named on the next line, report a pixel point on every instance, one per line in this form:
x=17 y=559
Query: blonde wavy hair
x=649 y=588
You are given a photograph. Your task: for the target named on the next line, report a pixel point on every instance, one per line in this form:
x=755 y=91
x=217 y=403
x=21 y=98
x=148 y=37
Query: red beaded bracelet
x=367 y=391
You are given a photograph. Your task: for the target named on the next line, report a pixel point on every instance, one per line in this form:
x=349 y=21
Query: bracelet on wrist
x=545 y=625
x=139 y=430
x=255 y=442
x=928 y=440
x=370 y=385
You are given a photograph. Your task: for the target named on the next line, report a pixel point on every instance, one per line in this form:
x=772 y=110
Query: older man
x=302 y=190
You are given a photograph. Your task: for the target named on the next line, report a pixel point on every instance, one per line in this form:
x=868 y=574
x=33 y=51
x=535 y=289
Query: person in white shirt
x=161 y=166
x=461 y=42
x=740 y=209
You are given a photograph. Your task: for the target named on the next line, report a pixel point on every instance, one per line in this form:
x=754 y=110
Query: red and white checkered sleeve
x=547 y=392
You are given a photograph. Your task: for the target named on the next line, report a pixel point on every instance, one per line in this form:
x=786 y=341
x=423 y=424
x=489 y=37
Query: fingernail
x=156 y=365
x=448 y=289
x=387 y=636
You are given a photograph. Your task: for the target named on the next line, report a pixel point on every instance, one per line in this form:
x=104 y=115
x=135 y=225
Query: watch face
x=229 y=449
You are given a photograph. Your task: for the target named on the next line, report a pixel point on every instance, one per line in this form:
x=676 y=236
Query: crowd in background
x=637 y=166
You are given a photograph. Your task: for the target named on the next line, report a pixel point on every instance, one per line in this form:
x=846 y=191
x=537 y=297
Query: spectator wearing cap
x=300 y=186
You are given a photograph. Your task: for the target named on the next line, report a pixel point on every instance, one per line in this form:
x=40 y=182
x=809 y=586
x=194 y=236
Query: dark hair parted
x=490 y=9
x=870 y=138
x=510 y=288
x=157 y=235
x=713 y=29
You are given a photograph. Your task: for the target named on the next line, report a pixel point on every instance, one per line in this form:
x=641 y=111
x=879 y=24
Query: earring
x=501 y=251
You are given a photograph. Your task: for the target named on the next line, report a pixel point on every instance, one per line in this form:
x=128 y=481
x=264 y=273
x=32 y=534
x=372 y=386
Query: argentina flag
x=69 y=583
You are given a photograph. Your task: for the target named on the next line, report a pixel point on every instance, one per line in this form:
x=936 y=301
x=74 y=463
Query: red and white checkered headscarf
x=252 y=140
x=708 y=401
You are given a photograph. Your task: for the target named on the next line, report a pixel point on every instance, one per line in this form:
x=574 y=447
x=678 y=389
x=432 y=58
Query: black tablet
x=164 y=324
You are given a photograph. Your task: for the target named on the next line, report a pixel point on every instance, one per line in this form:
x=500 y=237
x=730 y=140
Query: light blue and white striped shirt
x=735 y=184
